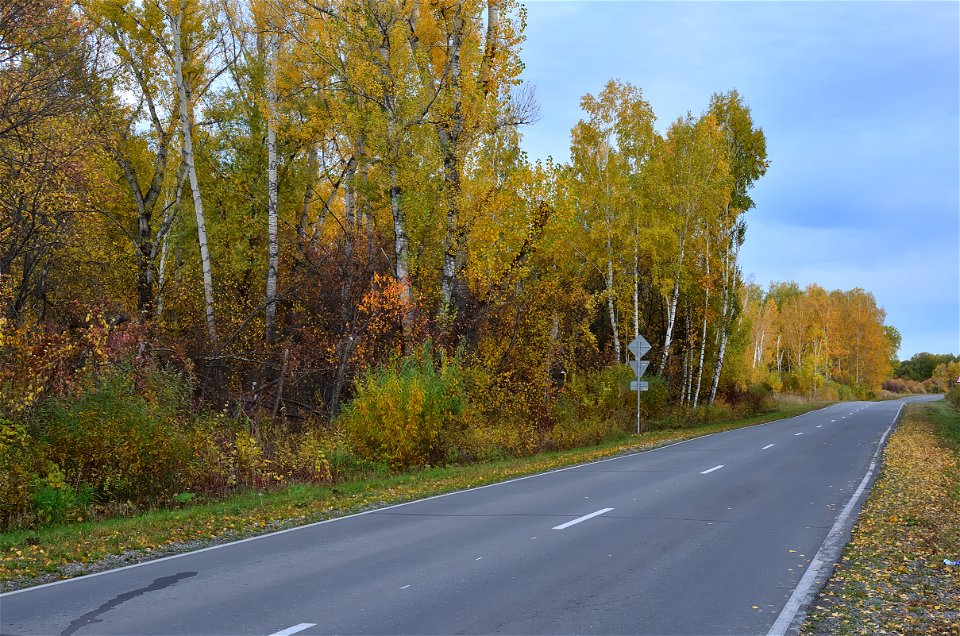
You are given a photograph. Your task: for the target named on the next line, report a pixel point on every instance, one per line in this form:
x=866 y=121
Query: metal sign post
x=639 y=348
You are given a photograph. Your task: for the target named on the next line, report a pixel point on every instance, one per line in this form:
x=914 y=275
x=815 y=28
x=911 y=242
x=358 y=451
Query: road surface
x=708 y=536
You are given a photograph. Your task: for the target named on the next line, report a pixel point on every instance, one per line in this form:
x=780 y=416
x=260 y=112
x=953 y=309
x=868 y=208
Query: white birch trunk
x=636 y=283
x=703 y=337
x=779 y=364
x=450 y=140
x=349 y=231
x=164 y=237
x=176 y=28
x=716 y=371
x=671 y=317
x=273 y=249
x=610 y=305
x=758 y=348
x=726 y=316
x=402 y=254
x=162 y=268
x=684 y=359
x=371 y=239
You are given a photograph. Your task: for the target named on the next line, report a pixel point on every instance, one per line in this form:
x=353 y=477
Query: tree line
x=827 y=344
x=244 y=242
x=278 y=197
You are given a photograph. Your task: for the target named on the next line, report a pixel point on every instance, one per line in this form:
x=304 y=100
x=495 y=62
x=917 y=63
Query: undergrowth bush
x=409 y=413
x=22 y=463
x=123 y=440
x=594 y=406
x=128 y=438
x=953 y=396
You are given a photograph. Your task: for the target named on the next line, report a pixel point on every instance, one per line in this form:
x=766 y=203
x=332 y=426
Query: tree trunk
x=401 y=247
x=636 y=283
x=703 y=338
x=687 y=371
x=163 y=236
x=671 y=317
x=779 y=361
x=726 y=316
x=450 y=140
x=273 y=249
x=349 y=230
x=490 y=44
x=610 y=305
x=402 y=255
x=446 y=311
x=313 y=167
x=176 y=23
x=371 y=238
x=345 y=349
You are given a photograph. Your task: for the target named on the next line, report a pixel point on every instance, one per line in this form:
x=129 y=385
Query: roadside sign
x=639 y=347
x=639 y=366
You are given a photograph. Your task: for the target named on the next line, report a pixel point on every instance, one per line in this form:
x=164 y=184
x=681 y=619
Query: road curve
x=708 y=536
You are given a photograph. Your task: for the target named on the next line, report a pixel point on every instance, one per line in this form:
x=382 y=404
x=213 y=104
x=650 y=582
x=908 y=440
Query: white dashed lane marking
x=293 y=630
x=710 y=470
x=563 y=526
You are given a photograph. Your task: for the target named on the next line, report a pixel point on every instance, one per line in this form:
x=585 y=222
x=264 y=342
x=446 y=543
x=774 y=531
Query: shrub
x=655 y=402
x=756 y=399
x=21 y=465
x=408 y=413
x=126 y=446
x=895 y=386
x=953 y=396
x=54 y=500
x=594 y=406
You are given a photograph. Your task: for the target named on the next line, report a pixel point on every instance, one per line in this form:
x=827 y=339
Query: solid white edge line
x=293 y=630
x=398 y=505
x=563 y=526
x=767 y=446
x=710 y=470
x=806 y=588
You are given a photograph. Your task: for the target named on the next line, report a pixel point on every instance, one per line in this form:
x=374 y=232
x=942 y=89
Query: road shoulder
x=892 y=576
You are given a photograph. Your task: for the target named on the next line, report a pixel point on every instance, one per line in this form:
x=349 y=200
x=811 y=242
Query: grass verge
x=33 y=557
x=892 y=577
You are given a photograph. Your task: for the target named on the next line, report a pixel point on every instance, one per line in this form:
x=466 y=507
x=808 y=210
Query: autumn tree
x=47 y=66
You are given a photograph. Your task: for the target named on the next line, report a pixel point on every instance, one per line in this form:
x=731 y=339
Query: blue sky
x=860 y=104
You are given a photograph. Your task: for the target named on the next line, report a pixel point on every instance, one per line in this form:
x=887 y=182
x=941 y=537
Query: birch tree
x=187 y=14
x=692 y=173
x=746 y=151
x=599 y=184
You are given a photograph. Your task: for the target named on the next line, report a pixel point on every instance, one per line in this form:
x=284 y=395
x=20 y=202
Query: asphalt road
x=709 y=536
